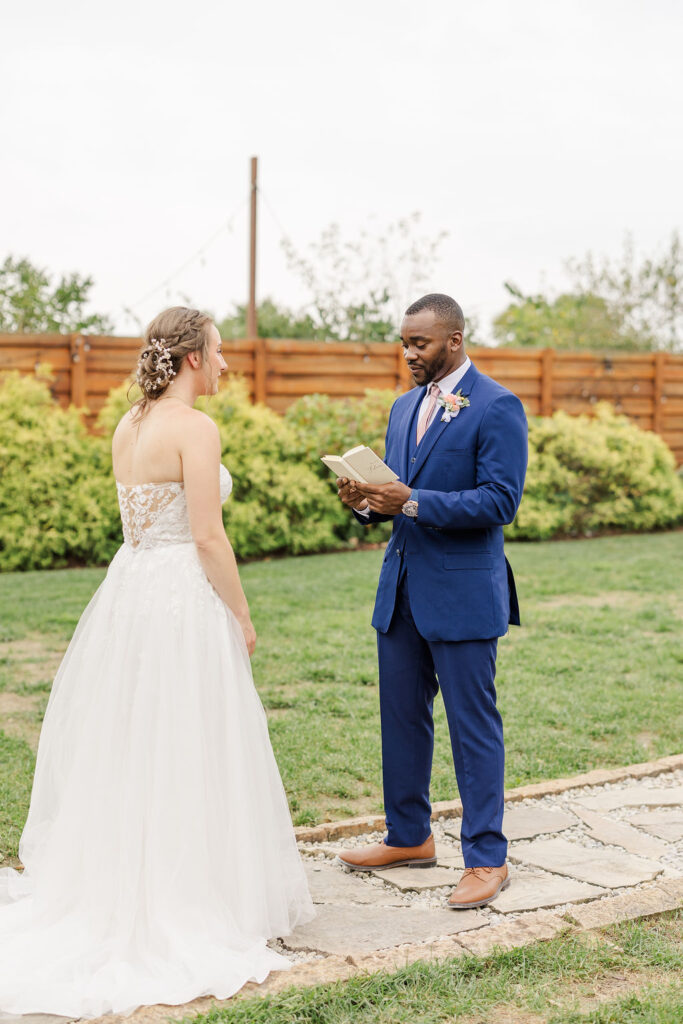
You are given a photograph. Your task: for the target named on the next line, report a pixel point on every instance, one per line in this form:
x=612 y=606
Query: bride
x=158 y=852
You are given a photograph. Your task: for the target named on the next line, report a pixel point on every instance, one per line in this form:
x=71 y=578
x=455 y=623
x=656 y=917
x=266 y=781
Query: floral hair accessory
x=452 y=404
x=163 y=366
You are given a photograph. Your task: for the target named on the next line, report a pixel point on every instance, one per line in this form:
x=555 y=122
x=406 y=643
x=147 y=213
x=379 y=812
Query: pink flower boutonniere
x=452 y=404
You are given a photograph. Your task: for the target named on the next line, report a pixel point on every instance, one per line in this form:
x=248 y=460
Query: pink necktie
x=433 y=391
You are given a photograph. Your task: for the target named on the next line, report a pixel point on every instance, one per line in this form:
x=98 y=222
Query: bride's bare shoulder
x=199 y=423
x=124 y=426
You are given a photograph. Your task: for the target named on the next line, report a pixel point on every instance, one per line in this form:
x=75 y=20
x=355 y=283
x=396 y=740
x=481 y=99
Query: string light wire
x=226 y=226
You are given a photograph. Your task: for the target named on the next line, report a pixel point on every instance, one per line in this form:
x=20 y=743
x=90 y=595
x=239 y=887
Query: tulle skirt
x=159 y=852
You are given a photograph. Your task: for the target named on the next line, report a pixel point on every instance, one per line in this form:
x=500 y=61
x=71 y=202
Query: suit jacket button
x=413 y=459
x=398 y=551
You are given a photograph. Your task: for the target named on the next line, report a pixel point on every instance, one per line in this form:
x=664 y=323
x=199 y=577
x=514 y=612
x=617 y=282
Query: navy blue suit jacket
x=470 y=475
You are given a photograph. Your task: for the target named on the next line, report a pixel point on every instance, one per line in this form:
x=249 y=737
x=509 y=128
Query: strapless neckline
x=151 y=483
x=162 y=483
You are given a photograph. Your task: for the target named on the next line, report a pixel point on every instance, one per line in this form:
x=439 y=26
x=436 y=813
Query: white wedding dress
x=159 y=852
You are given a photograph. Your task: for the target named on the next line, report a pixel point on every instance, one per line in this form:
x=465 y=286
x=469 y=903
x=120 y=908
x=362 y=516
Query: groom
x=446 y=593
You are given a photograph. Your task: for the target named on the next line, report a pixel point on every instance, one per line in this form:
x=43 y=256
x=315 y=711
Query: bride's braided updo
x=168 y=339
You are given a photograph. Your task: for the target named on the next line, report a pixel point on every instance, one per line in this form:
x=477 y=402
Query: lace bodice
x=153 y=514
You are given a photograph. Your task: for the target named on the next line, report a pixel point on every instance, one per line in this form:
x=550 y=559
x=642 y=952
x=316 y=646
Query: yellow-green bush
x=57 y=503
x=278 y=503
x=330 y=426
x=58 y=497
x=589 y=475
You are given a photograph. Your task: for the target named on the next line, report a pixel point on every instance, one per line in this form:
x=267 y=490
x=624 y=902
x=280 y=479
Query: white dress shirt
x=447 y=385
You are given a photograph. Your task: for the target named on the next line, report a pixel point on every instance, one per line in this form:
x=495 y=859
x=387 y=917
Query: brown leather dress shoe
x=379 y=856
x=478 y=886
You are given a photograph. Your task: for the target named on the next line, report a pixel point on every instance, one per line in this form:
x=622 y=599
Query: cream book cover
x=361 y=464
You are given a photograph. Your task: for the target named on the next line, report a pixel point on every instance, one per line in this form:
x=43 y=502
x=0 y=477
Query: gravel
x=672 y=861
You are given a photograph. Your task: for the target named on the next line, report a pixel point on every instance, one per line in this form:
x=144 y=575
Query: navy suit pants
x=411 y=671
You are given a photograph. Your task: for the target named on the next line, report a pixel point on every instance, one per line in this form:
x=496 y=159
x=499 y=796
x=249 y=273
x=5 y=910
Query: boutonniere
x=452 y=404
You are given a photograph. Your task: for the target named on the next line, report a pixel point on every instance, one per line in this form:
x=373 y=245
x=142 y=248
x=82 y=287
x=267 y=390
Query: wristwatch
x=409 y=508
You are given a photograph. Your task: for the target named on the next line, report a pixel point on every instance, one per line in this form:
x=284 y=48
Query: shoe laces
x=475 y=872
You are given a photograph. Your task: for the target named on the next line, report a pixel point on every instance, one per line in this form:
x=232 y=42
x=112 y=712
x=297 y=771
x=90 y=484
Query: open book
x=361 y=464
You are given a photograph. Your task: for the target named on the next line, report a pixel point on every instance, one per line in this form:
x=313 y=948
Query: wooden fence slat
x=639 y=406
x=603 y=389
x=343 y=348
x=332 y=385
x=260 y=370
x=598 y=372
x=25 y=360
x=117 y=364
x=547 y=362
x=567 y=356
x=305 y=366
x=79 y=389
x=500 y=370
x=30 y=341
x=404 y=378
x=658 y=390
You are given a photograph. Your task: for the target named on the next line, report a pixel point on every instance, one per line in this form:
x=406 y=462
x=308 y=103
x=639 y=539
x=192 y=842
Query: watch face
x=410 y=508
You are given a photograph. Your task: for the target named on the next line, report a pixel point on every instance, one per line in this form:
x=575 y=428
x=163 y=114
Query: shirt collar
x=448 y=384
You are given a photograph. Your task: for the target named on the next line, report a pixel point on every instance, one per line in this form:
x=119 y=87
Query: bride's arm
x=200 y=451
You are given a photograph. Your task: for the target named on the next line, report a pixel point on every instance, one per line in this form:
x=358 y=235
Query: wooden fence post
x=79 y=385
x=260 y=369
x=547 y=381
x=405 y=378
x=658 y=397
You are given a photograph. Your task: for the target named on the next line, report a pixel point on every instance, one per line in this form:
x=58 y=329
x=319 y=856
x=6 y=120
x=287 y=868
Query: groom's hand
x=387 y=499
x=349 y=494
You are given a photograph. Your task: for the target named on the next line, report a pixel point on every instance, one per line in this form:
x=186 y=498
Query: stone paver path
x=584 y=853
x=568 y=848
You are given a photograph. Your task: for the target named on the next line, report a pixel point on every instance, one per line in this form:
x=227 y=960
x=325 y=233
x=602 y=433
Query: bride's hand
x=249 y=632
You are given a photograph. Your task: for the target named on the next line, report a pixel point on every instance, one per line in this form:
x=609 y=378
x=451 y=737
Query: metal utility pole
x=252 y=326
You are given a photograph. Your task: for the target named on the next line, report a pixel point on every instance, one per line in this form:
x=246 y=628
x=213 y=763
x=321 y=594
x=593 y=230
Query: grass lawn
x=628 y=974
x=592 y=679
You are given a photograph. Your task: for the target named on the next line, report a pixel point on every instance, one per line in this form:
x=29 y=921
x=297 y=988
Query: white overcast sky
x=531 y=131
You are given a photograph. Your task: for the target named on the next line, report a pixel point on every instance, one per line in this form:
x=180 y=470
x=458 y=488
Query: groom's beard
x=425 y=373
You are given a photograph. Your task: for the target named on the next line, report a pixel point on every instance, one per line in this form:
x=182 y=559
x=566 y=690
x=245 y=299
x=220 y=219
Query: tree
x=571 y=321
x=646 y=296
x=359 y=289
x=621 y=304
x=273 y=321
x=31 y=303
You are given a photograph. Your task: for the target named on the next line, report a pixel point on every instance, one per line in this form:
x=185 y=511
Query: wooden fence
x=647 y=387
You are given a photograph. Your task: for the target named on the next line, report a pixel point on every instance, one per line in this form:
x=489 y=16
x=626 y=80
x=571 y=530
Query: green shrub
x=278 y=503
x=58 y=498
x=589 y=475
x=330 y=426
x=57 y=503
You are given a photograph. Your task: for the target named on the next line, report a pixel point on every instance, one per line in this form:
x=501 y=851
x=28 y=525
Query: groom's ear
x=455 y=340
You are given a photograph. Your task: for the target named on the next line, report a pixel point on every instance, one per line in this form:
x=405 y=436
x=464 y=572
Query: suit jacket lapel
x=410 y=425
x=438 y=425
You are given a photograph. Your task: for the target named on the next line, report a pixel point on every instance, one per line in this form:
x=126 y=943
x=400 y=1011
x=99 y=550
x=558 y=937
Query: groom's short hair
x=444 y=308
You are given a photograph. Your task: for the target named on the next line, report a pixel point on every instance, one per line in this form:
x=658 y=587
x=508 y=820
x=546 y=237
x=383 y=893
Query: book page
x=340 y=467
x=368 y=467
